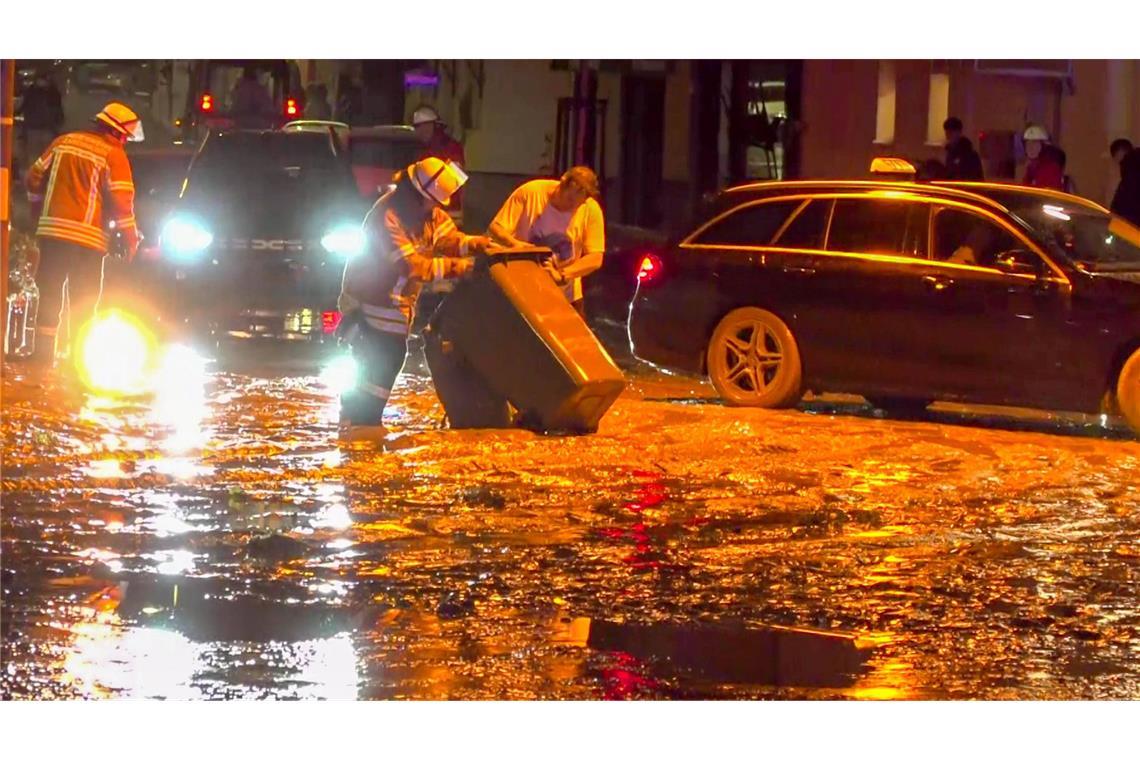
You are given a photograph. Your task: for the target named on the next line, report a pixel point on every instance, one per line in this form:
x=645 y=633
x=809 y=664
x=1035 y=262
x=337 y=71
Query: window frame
x=1058 y=275
x=704 y=228
x=912 y=201
x=938 y=207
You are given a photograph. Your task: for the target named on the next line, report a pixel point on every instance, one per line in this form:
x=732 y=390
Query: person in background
x=563 y=215
x=42 y=109
x=349 y=102
x=317 y=102
x=1044 y=168
x=1119 y=148
x=250 y=103
x=1126 y=199
x=962 y=161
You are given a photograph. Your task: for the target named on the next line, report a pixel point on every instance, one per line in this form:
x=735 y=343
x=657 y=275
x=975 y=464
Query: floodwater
x=215 y=541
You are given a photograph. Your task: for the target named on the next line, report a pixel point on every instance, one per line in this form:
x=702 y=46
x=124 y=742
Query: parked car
x=256 y=243
x=902 y=292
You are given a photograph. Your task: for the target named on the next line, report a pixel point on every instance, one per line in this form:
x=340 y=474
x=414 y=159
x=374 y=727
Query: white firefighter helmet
x=123 y=120
x=425 y=115
x=1035 y=132
x=437 y=179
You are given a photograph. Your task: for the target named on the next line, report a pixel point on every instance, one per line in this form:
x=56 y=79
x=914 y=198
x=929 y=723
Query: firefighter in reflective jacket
x=409 y=240
x=81 y=184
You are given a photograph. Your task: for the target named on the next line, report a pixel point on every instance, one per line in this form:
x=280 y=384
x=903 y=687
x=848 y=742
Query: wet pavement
x=215 y=541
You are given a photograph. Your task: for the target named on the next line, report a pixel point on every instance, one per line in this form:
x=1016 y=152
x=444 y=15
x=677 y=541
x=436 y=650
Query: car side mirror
x=1018 y=261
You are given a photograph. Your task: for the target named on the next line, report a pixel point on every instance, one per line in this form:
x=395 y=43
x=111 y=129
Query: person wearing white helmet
x=409 y=240
x=1045 y=168
x=79 y=186
x=432 y=134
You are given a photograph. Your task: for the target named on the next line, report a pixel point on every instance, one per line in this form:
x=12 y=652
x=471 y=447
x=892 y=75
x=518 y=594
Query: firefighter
x=1045 y=167
x=432 y=134
x=409 y=240
x=81 y=184
x=563 y=215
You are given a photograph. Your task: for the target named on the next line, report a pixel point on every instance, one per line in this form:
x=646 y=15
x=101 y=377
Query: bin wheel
x=753 y=360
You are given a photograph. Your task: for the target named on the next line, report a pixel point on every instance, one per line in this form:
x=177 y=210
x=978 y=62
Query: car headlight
x=184 y=238
x=345 y=241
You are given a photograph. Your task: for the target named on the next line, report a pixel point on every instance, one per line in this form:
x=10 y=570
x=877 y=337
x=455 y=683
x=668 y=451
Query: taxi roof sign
x=887 y=165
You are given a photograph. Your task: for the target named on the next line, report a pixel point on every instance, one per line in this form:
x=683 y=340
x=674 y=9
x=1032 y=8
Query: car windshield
x=268 y=164
x=1079 y=231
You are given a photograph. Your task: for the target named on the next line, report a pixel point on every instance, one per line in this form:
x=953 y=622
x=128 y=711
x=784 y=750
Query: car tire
x=1128 y=391
x=753 y=360
x=899 y=405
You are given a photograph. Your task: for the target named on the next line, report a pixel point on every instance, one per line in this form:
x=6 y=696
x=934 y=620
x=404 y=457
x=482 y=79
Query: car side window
x=876 y=226
x=748 y=225
x=806 y=229
x=962 y=237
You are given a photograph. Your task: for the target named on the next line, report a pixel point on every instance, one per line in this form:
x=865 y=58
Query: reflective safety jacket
x=77 y=175
x=385 y=279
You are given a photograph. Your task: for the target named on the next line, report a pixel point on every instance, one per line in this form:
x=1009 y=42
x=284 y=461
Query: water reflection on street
x=212 y=539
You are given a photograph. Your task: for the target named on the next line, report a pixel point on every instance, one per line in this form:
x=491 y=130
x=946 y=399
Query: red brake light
x=207 y=102
x=291 y=107
x=650 y=269
x=330 y=320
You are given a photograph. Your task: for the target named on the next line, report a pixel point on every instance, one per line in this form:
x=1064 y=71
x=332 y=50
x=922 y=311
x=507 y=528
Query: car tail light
x=207 y=103
x=649 y=270
x=330 y=320
x=291 y=107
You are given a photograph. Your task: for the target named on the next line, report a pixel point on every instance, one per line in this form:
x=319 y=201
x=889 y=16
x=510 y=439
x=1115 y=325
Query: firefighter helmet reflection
x=123 y=120
x=436 y=179
x=424 y=115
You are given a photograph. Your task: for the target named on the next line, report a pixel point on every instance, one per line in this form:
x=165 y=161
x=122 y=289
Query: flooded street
x=215 y=541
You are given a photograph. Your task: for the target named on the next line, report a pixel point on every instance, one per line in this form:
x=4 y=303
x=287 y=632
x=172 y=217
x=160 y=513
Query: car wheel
x=753 y=360
x=1128 y=391
x=897 y=405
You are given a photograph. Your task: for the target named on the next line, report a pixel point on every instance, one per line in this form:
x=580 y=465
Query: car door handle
x=937 y=283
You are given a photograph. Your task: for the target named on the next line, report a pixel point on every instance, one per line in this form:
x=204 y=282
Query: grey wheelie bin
x=513 y=327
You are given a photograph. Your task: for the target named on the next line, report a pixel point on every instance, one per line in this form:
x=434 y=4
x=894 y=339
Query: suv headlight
x=345 y=241
x=184 y=237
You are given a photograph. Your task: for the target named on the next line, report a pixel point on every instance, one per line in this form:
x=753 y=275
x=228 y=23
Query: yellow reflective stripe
x=88 y=241
x=387 y=327
x=438 y=268
x=122 y=185
x=69 y=223
x=84 y=155
x=444 y=228
x=92 y=196
x=51 y=184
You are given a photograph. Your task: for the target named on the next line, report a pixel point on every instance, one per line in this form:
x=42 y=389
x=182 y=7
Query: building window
x=885 y=109
x=938 y=108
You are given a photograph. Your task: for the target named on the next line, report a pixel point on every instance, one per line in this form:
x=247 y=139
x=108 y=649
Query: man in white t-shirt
x=562 y=215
